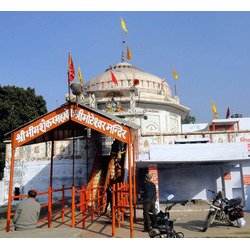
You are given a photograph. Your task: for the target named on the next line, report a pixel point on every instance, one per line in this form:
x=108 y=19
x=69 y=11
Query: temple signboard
x=101 y=124
x=65 y=113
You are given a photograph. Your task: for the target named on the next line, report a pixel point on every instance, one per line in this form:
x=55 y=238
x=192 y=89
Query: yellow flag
x=124 y=26
x=80 y=75
x=214 y=110
x=175 y=75
x=129 y=55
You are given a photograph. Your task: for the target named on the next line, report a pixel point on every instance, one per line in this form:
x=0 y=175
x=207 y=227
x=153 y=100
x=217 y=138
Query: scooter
x=163 y=226
x=225 y=210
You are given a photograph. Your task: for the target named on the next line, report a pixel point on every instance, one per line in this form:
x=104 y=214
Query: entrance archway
x=71 y=120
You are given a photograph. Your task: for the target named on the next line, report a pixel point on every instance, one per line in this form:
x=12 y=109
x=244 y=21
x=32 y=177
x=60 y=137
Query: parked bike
x=163 y=226
x=222 y=209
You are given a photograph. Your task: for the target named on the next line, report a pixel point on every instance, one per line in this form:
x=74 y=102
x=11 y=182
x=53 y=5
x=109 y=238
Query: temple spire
x=123 y=56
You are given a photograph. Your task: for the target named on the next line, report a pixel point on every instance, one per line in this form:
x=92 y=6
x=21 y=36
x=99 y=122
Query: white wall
x=244 y=123
x=33 y=172
x=187 y=182
x=36 y=175
x=187 y=128
x=199 y=152
x=1 y=193
x=246 y=172
x=192 y=181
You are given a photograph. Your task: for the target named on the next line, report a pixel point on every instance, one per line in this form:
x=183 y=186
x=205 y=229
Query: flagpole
x=123 y=40
x=133 y=69
x=123 y=45
x=175 y=90
x=68 y=87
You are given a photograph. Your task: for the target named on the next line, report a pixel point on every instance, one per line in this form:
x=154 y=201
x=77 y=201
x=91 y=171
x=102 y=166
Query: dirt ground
x=189 y=220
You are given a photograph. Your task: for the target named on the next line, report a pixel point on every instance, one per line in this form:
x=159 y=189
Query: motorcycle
x=163 y=226
x=224 y=210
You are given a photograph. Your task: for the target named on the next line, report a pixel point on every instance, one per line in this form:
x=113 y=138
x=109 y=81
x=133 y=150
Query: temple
x=120 y=131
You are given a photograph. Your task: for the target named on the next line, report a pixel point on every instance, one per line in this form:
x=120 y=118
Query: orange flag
x=129 y=55
x=175 y=74
x=71 y=70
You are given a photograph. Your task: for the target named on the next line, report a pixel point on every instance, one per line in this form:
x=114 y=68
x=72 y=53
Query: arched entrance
x=71 y=120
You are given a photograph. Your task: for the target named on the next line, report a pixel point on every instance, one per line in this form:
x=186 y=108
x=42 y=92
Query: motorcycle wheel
x=209 y=220
x=179 y=235
x=160 y=236
x=175 y=235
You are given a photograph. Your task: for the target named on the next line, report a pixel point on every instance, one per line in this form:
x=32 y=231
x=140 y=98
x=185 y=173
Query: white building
x=205 y=159
x=188 y=159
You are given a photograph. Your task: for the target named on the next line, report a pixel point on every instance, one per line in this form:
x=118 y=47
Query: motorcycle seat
x=235 y=201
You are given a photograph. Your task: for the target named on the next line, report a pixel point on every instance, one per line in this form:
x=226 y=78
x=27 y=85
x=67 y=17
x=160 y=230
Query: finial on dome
x=123 y=42
x=122 y=56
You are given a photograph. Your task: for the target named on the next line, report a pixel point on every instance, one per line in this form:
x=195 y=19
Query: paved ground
x=189 y=220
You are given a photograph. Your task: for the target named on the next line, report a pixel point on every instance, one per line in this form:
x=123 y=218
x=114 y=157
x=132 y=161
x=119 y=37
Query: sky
x=210 y=51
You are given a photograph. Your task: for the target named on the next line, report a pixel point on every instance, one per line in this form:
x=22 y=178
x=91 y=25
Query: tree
x=188 y=119
x=17 y=107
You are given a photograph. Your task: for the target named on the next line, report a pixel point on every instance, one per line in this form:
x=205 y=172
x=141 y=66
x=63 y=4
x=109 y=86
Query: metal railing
x=90 y=201
x=120 y=204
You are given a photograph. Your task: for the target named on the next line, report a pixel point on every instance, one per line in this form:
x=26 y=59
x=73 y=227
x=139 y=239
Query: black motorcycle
x=225 y=210
x=163 y=226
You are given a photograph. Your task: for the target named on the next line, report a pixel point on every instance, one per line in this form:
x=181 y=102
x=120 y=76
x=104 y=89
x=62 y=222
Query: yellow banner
x=124 y=26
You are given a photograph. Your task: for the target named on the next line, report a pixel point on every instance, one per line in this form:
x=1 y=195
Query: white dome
x=124 y=70
x=125 y=73
x=150 y=89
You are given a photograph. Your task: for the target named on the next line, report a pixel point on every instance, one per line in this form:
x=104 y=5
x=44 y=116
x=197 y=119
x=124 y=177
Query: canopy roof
x=223 y=122
x=70 y=120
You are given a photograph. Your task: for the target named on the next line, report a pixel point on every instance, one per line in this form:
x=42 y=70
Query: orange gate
x=120 y=204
